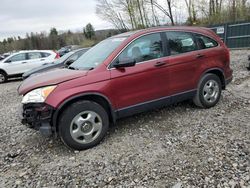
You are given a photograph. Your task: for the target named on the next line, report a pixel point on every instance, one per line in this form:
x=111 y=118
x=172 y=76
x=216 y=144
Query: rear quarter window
x=205 y=42
x=45 y=54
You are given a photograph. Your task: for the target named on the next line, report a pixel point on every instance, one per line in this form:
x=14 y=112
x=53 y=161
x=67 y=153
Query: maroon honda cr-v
x=123 y=75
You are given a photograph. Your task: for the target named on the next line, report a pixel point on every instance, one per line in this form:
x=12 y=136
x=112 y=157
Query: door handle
x=200 y=56
x=159 y=64
x=42 y=59
x=24 y=62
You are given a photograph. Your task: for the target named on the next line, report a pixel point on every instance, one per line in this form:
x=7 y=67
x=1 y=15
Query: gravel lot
x=179 y=146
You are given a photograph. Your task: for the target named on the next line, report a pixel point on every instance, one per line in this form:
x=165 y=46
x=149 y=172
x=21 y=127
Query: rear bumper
x=38 y=116
x=229 y=76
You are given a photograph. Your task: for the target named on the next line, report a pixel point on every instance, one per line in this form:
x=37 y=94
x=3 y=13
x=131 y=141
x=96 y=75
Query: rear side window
x=205 y=42
x=34 y=55
x=145 y=48
x=180 y=42
x=18 y=57
x=45 y=54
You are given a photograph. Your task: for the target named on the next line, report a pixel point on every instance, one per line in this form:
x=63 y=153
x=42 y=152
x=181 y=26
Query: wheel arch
x=1 y=70
x=218 y=72
x=95 y=97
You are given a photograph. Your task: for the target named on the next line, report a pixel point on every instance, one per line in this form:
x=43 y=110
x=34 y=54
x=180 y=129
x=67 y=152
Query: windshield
x=97 y=54
x=63 y=58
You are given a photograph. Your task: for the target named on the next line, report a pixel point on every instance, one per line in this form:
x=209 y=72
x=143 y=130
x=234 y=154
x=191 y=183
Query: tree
x=112 y=11
x=167 y=11
x=89 y=31
x=53 y=38
x=53 y=32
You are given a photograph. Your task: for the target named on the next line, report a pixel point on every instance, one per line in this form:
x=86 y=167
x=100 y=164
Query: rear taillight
x=57 y=55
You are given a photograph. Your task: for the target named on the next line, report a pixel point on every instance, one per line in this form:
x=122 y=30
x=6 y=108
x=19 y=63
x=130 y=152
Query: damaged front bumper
x=38 y=116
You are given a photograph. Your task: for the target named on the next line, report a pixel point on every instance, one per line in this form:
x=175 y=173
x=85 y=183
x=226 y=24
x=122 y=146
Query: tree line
x=53 y=40
x=137 y=14
x=127 y=15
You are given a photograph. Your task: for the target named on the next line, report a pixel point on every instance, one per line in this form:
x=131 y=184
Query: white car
x=18 y=63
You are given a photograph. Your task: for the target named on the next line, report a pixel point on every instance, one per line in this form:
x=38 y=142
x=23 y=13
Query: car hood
x=42 y=68
x=49 y=78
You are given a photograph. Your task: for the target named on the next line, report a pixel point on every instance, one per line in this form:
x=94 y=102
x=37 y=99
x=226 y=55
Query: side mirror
x=125 y=62
x=69 y=62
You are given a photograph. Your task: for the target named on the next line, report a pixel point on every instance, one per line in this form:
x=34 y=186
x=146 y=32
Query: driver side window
x=18 y=57
x=143 y=49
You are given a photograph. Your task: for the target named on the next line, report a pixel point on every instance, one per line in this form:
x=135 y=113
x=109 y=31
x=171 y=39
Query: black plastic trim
x=228 y=80
x=37 y=116
x=214 y=69
x=157 y=103
x=57 y=111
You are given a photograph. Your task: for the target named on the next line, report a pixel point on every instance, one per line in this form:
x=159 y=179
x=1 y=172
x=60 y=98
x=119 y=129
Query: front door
x=144 y=83
x=16 y=64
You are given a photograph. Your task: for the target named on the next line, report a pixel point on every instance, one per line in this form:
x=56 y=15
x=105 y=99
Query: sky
x=18 y=17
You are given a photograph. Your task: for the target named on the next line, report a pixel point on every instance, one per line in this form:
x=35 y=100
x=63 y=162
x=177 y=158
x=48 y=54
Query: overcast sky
x=17 y=17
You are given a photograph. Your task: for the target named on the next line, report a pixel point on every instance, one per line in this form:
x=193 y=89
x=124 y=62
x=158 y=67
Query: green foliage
x=89 y=31
x=41 y=41
x=53 y=32
x=52 y=40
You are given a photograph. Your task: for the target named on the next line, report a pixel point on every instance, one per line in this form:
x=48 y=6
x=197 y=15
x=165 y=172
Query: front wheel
x=208 y=91
x=3 y=77
x=83 y=125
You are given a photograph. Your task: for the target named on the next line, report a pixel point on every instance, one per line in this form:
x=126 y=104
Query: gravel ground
x=178 y=146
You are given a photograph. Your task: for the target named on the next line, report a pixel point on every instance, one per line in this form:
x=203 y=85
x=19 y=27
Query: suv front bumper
x=38 y=116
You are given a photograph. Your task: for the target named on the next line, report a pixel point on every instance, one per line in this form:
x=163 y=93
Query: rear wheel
x=83 y=125
x=208 y=92
x=3 y=77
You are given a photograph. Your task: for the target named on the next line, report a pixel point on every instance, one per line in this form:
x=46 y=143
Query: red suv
x=124 y=75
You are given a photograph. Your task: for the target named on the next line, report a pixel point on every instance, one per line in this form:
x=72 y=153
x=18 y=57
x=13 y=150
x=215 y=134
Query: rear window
x=205 y=42
x=180 y=42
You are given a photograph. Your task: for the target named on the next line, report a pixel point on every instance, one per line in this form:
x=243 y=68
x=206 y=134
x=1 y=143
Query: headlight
x=38 y=95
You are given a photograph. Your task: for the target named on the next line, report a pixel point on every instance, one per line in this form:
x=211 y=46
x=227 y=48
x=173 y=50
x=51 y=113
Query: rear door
x=147 y=80
x=16 y=64
x=183 y=62
x=211 y=52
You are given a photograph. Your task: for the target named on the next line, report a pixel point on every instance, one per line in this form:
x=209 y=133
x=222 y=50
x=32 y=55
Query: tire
x=3 y=77
x=83 y=125
x=208 y=92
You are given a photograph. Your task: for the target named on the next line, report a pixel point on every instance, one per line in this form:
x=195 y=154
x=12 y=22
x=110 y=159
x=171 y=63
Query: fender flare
x=214 y=69
x=78 y=96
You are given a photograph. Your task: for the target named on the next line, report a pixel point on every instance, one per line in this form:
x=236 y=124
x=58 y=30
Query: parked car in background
x=66 y=60
x=18 y=63
x=124 y=75
x=66 y=49
x=3 y=56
